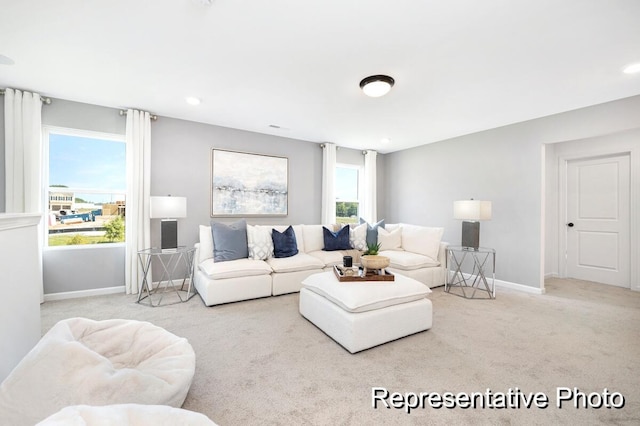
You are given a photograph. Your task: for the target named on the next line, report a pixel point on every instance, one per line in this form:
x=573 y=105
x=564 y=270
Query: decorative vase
x=370 y=261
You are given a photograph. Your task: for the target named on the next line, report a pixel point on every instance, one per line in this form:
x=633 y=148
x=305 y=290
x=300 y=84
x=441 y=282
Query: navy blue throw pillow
x=336 y=240
x=284 y=243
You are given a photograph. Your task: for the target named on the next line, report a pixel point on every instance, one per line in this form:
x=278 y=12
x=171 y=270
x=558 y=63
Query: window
x=86 y=179
x=347 y=192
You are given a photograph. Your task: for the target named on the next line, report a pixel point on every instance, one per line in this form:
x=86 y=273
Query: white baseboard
x=83 y=293
x=551 y=275
x=520 y=287
x=513 y=286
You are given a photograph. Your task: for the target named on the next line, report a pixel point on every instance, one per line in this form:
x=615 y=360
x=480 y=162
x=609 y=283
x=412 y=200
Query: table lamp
x=168 y=209
x=471 y=212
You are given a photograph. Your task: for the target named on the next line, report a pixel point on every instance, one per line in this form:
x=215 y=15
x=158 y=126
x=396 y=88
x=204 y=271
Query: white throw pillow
x=358 y=236
x=259 y=242
x=313 y=237
x=390 y=240
x=422 y=240
x=206 y=244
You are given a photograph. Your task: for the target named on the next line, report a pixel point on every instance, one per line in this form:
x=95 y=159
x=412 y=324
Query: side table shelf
x=468 y=284
x=168 y=286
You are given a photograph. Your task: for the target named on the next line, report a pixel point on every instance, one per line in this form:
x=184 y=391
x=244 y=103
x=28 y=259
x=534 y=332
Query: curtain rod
x=152 y=116
x=46 y=101
x=322 y=145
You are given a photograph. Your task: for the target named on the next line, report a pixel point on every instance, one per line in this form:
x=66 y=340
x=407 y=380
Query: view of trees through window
x=87 y=182
x=347 y=194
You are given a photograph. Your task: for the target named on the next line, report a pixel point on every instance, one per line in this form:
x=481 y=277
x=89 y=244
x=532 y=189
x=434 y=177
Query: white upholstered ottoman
x=360 y=315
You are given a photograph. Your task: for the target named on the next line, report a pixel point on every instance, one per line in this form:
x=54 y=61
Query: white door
x=598 y=220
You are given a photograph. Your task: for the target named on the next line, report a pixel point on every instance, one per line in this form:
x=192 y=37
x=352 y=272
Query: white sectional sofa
x=414 y=251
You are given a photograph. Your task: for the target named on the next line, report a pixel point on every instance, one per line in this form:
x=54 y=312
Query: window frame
x=47 y=130
x=360 y=189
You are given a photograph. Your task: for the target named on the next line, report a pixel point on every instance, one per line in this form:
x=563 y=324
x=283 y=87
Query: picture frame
x=246 y=184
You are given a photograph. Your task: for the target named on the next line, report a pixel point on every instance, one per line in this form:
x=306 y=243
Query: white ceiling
x=460 y=66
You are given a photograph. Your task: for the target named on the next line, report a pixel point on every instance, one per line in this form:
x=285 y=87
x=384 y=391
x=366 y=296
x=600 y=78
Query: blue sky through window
x=346 y=183
x=85 y=162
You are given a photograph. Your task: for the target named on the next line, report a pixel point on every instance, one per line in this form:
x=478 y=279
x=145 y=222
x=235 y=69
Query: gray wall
x=180 y=166
x=504 y=165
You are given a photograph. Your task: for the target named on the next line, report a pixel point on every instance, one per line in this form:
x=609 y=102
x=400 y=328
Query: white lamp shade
x=472 y=210
x=167 y=207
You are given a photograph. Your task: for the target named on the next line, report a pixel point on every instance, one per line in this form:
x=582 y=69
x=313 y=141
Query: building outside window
x=86 y=181
x=348 y=193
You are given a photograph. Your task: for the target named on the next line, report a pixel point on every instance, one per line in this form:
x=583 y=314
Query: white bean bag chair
x=126 y=415
x=86 y=362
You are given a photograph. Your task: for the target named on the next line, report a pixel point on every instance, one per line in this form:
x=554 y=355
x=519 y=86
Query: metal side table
x=468 y=284
x=168 y=287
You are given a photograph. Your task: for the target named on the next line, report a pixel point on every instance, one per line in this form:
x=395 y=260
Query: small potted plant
x=370 y=259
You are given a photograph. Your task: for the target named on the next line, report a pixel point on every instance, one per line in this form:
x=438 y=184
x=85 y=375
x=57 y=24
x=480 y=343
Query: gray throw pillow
x=372 y=231
x=229 y=241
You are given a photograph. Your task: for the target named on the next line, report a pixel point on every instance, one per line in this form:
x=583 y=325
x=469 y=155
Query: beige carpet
x=260 y=363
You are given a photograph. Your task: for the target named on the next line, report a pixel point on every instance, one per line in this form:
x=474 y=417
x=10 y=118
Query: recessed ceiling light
x=376 y=85
x=191 y=100
x=385 y=140
x=5 y=60
x=632 y=69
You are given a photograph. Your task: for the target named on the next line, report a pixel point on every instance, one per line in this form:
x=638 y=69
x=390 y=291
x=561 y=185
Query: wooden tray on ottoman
x=372 y=275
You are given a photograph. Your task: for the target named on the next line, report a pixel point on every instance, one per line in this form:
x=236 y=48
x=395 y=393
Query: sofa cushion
x=328 y=258
x=358 y=236
x=422 y=240
x=336 y=240
x=234 y=268
x=284 y=243
x=372 y=231
x=259 y=242
x=299 y=262
x=366 y=296
x=229 y=241
x=406 y=260
x=390 y=240
x=206 y=244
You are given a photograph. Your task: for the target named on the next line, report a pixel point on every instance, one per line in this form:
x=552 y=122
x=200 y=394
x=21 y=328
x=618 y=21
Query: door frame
x=634 y=210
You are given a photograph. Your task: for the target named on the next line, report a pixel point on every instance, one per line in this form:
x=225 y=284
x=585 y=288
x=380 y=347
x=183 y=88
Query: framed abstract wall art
x=245 y=184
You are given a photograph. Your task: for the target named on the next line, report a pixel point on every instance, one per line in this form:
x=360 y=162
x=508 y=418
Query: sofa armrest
x=442 y=253
x=196 y=255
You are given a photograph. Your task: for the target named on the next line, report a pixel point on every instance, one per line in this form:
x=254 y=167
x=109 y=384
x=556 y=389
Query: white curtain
x=23 y=158
x=138 y=232
x=370 y=202
x=23 y=152
x=328 y=184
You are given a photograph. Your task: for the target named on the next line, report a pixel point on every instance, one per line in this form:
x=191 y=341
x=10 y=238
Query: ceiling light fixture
x=385 y=140
x=376 y=85
x=191 y=100
x=632 y=69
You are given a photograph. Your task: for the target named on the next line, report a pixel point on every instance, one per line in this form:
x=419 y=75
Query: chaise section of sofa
x=421 y=255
